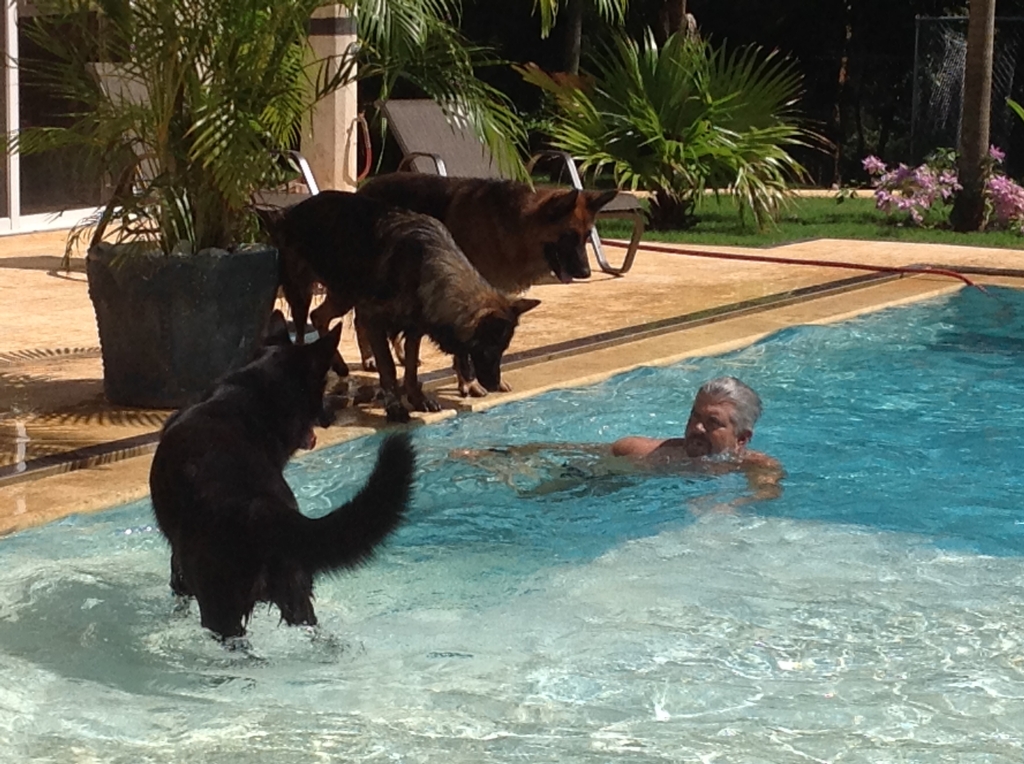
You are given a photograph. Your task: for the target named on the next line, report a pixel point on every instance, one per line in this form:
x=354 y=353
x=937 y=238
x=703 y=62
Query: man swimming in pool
x=720 y=426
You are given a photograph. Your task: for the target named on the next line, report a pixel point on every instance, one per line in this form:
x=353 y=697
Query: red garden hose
x=909 y=269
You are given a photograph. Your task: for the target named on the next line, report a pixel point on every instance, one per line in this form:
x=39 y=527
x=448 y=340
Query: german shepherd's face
x=567 y=219
x=491 y=339
x=301 y=371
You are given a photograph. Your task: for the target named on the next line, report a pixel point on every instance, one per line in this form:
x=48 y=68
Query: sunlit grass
x=819 y=217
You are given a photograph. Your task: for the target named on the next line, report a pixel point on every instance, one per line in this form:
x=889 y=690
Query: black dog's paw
x=397 y=413
x=326 y=416
x=417 y=400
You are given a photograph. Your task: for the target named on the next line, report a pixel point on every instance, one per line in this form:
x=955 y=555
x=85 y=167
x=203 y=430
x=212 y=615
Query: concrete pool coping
x=669 y=309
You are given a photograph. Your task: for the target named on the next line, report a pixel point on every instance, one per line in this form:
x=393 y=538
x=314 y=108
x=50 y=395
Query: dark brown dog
x=513 y=234
x=404 y=274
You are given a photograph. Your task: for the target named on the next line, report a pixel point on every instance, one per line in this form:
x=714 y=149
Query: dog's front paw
x=326 y=417
x=472 y=389
x=504 y=387
x=420 y=401
x=425 y=403
x=397 y=413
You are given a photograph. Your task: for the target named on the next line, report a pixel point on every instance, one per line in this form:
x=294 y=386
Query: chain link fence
x=940 y=53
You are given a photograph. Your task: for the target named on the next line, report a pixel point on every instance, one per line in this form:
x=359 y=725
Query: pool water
x=874 y=612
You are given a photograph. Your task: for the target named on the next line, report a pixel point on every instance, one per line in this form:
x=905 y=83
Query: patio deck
x=64 y=449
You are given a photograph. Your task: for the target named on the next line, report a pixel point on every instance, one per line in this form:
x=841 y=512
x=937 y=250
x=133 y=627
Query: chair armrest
x=567 y=160
x=639 y=222
x=439 y=165
x=307 y=171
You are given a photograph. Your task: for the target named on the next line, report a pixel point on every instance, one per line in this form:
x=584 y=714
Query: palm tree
x=969 y=207
x=612 y=10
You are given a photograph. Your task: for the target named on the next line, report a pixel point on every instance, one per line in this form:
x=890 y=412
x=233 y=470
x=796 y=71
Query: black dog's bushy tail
x=348 y=535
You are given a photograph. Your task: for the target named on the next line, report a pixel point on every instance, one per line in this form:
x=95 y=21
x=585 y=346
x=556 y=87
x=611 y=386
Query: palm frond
x=442 y=64
x=683 y=118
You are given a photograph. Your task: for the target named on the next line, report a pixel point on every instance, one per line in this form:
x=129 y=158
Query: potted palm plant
x=186 y=105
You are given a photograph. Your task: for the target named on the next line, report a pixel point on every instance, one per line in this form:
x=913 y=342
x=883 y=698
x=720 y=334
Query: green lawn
x=811 y=218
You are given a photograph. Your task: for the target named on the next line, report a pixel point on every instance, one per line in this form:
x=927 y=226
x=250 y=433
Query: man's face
x=710 y=429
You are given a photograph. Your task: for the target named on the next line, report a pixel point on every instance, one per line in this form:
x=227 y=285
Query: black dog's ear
x=523 y=304
x=324 y=349
x=277 y=330
x=595 y=201
x=561 y=205
x=330 y=340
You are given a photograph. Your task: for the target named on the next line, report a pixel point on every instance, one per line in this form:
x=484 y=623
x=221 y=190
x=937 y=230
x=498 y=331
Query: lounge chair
x=432 y=143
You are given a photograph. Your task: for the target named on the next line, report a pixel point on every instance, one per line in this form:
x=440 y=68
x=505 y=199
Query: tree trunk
x=969 y=207
x=839 y=126
x=573 y=36
x=672 y=18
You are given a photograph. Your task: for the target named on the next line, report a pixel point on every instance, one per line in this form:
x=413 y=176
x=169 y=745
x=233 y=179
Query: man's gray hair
x=747 y=403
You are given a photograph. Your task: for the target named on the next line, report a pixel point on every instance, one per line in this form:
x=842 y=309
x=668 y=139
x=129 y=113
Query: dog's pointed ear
x=329 y=342
x=324 y=350
x=597 y=200
x=523 y=304
x=561 y=205
x=333 y=337
x=277 y=330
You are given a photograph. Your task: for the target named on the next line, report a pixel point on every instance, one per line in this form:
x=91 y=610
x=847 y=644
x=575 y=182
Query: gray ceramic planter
x=170 y=326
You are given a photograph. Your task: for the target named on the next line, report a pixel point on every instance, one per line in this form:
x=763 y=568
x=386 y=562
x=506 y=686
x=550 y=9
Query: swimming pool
x=874 y=612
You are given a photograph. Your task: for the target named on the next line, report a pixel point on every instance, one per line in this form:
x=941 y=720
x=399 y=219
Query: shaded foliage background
x=857 y=57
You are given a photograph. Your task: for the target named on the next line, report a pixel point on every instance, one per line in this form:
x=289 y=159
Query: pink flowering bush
x=923 y=195
x=1004 y=201
x=919 y=194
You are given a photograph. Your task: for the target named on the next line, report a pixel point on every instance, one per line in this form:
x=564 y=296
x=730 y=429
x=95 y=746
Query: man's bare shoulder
x=635 y=446
x=758 y=460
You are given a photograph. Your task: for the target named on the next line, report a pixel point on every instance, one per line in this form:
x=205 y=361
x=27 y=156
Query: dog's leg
x=178 y=583
x=399 y=347
x=369 y=363
x=298 y=296
x=221 y=606
x=297 y=284
x=366 y=352
x=321 y=318
x=465 y=376
x=388 y=376
x=418 y=400
x=295 y=598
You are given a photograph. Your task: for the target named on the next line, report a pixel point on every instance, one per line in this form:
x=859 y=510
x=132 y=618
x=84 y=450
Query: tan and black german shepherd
x=513 y=234
x=516 y=236
x=404 y=274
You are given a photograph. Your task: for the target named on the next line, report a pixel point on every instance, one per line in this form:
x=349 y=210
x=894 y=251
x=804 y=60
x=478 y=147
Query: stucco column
x=329 y=141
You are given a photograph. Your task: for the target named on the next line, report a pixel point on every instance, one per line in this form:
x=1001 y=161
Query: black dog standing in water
x=236 y=534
